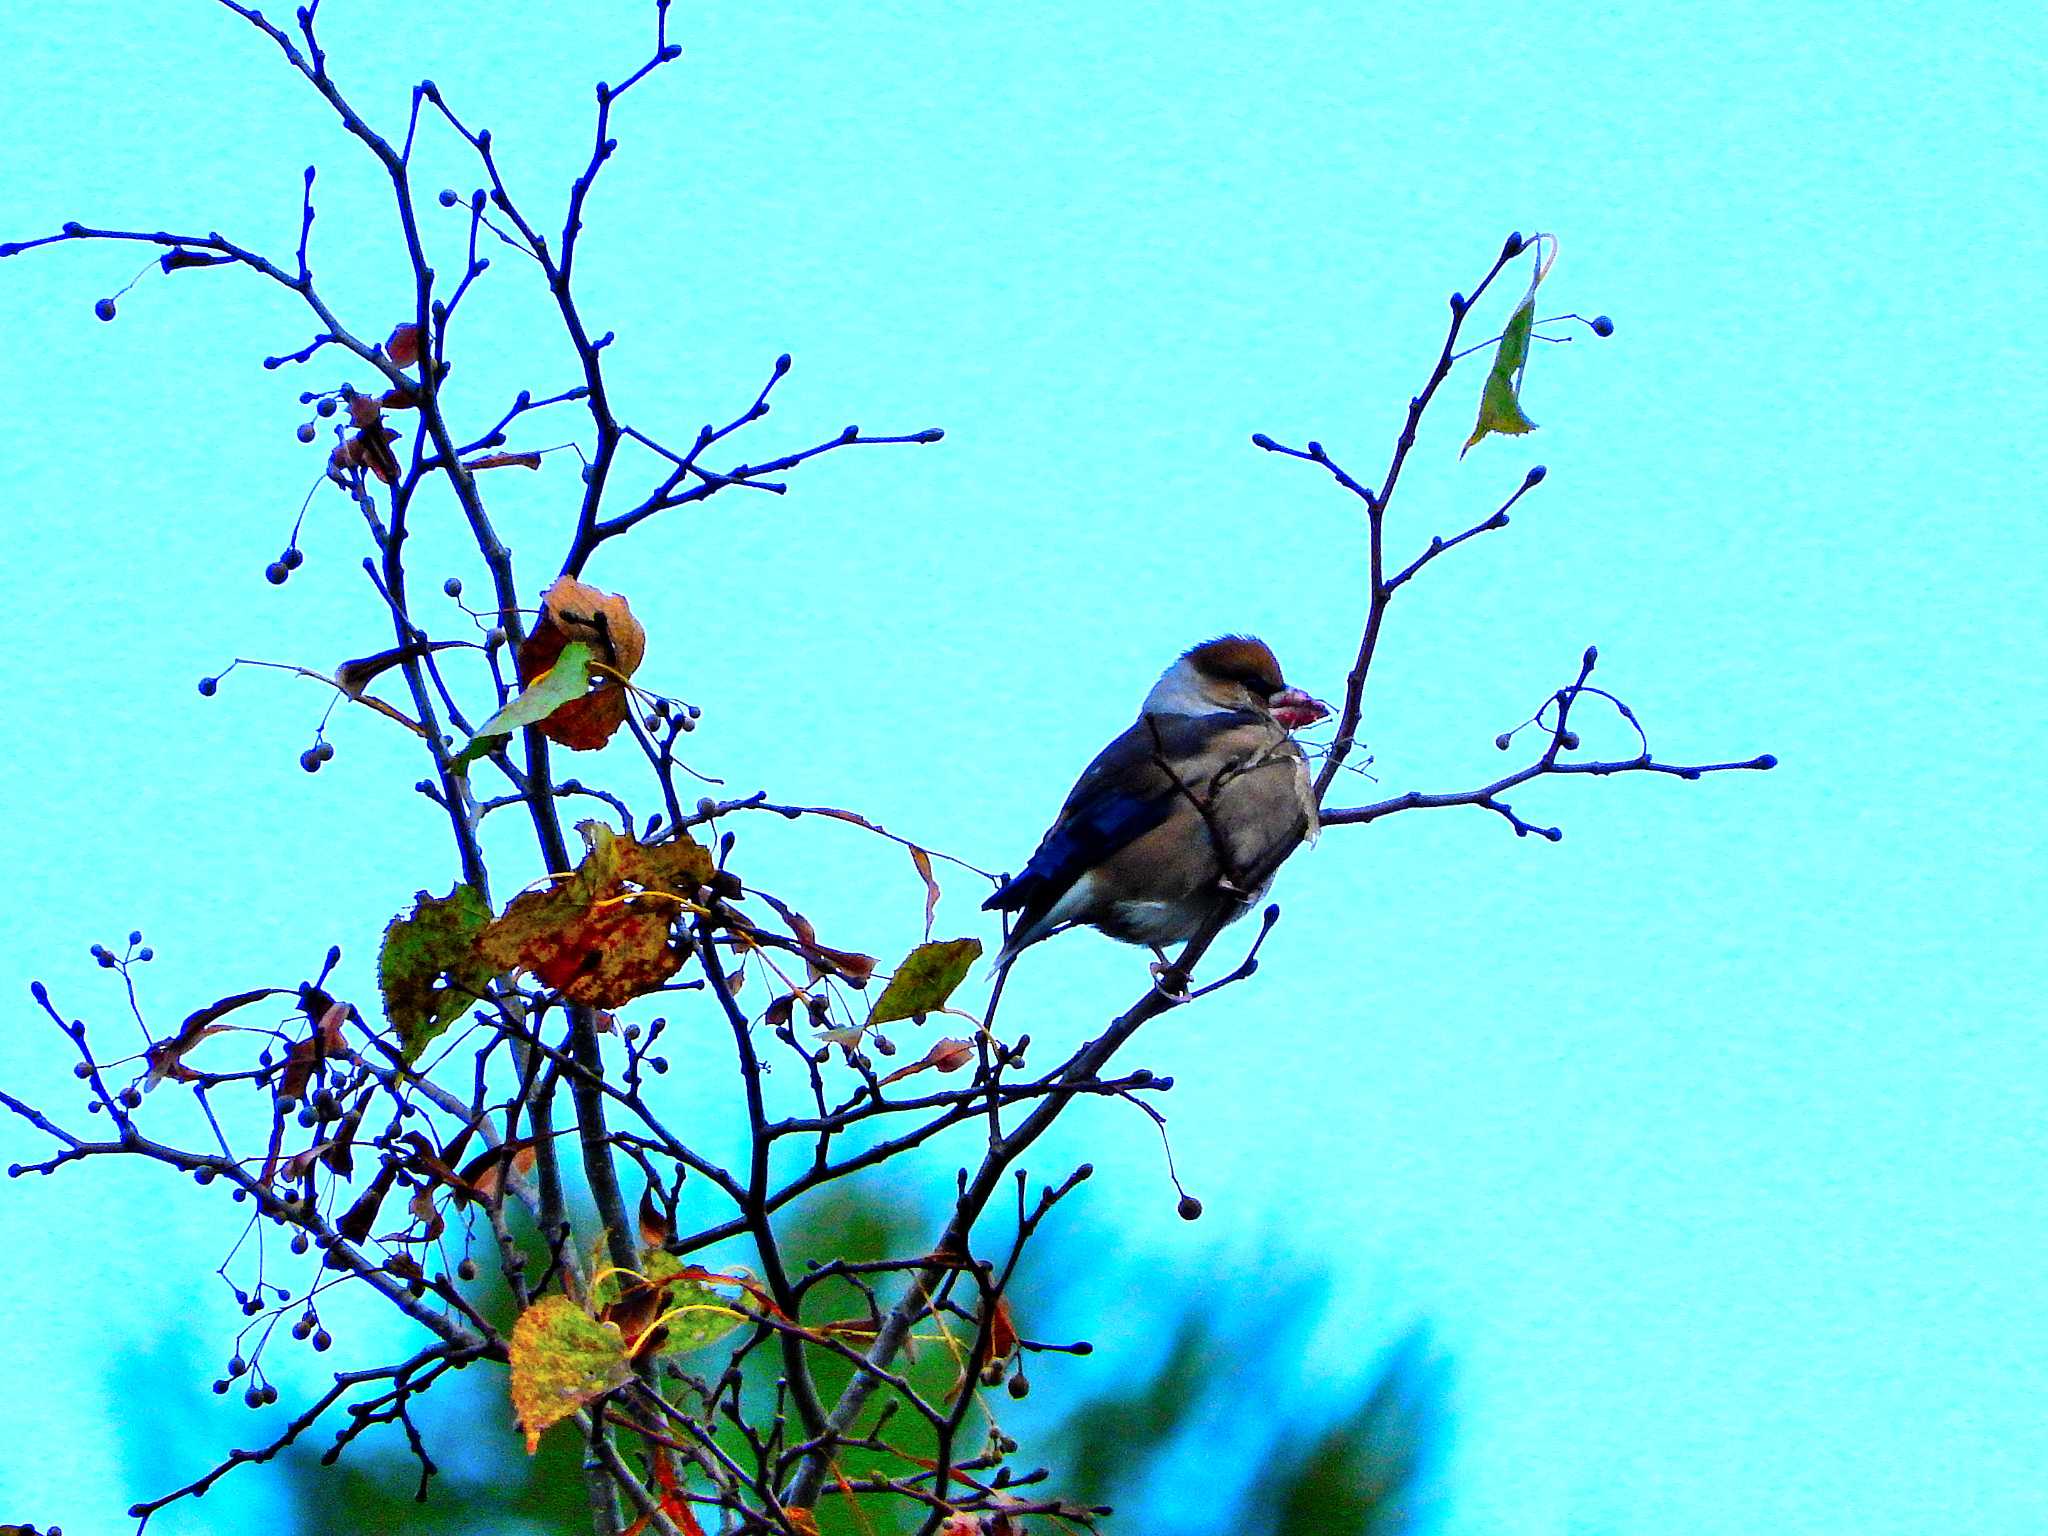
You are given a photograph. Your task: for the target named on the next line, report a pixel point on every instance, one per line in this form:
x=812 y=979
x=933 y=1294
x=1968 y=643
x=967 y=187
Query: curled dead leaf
x=299 y=1164
x=656 y=1227
x=166 y=1058
x=850 y=966
x=307 y=1056
x=921 y=861
x=357 y=1220
x=946 y=1056
x=368 y=449
x=427 y=1214
x=352 y=677
x=485 y=1173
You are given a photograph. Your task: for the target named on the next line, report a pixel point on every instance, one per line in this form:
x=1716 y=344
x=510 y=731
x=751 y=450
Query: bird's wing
x=1122 y=795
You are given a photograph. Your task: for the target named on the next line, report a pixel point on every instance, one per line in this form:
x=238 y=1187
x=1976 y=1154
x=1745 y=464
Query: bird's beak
x=1295 y=709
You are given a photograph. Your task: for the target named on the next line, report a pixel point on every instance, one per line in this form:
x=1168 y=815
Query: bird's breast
x=1220 y=845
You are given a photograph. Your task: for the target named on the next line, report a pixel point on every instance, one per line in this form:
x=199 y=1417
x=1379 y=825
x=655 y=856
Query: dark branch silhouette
x=506 y=1081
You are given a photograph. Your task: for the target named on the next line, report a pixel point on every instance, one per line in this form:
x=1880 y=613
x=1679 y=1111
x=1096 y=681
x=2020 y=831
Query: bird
x=1194 y=808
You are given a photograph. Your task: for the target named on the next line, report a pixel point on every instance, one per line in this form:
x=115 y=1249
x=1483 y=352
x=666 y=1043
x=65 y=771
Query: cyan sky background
x=1709 y=1140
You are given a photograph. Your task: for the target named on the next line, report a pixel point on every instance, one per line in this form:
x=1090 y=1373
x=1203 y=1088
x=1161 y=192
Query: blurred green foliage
x=1199 y=1443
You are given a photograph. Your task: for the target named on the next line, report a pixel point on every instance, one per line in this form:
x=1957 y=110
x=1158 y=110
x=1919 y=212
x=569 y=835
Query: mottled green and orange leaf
x=562 y=1358
x=605 y=933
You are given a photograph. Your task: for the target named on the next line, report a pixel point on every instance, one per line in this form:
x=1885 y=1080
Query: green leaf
x=691 y=1314
x=1500 y=400
x=567 y=680
x=428 y=968
x=694 y=1314
x=561 y=1359
x=925 y=979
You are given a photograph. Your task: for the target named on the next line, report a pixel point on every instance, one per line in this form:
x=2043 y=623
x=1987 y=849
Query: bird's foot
x=1168 y=982
x=1232 y=889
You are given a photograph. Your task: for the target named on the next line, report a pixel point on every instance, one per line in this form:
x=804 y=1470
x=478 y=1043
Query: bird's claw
x=1168 y=982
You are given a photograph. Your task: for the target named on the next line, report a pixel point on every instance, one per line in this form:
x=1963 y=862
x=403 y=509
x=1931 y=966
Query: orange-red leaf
x=1002 y=1333
x=505 y=461
x=574 y=610
x=403 y=345
x=946 y=1056
x=585 y=724
x=570 y=611
x=673 y=1504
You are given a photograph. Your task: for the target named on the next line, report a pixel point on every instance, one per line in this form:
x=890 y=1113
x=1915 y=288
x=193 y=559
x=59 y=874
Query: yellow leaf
x=925 y=979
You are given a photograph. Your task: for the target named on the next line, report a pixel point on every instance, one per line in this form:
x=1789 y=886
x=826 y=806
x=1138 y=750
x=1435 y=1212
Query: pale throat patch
x=1179 y=692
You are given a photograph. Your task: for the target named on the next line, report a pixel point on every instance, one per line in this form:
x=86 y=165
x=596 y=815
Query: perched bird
x=1195 y=807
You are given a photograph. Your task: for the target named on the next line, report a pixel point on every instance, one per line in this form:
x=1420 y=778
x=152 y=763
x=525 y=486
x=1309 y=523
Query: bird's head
x=1235 y=672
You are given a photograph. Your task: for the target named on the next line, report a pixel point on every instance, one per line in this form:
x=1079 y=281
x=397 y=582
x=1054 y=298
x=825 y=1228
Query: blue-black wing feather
x=1122 y=795
x=1077 y=843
